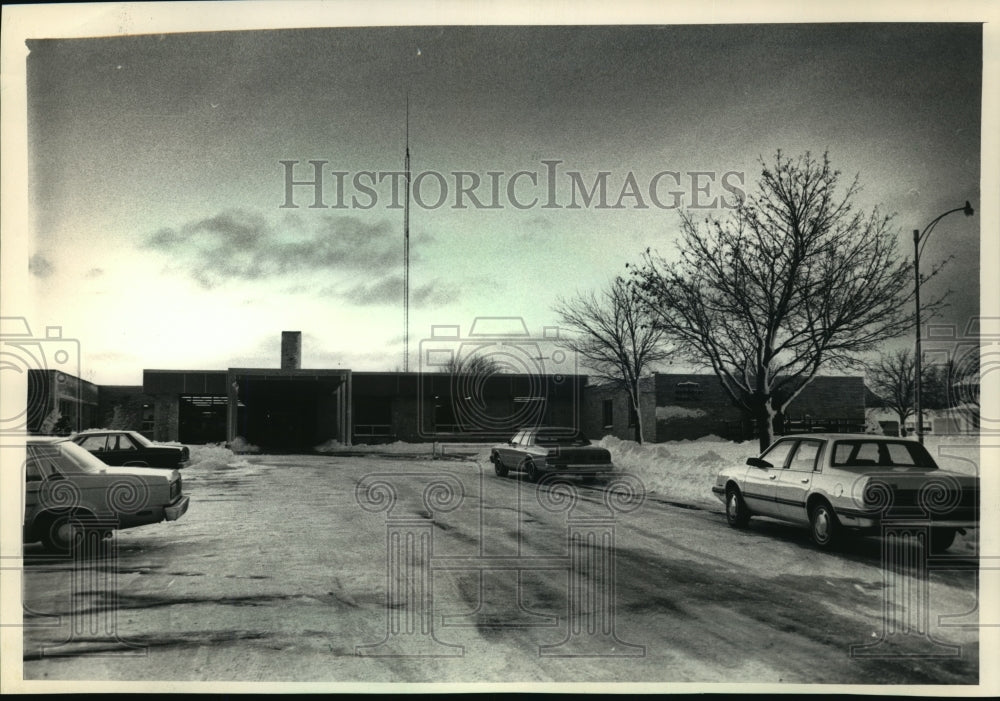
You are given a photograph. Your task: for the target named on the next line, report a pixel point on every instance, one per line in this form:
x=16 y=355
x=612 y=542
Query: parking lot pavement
x=347 y=568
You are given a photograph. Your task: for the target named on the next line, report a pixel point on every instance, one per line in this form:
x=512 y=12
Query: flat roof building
x=291 y=409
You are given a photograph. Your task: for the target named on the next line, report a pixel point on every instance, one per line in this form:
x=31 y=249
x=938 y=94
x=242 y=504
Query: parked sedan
x=131 y=448
x=547 y=450
x=841 y=483
x=68 y=493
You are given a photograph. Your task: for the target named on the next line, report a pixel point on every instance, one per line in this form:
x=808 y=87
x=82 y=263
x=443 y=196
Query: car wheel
x=824 y=526
x=941 y=539
x=498 y=466
x=533 y=474
x=737 y=513
x=63 y=532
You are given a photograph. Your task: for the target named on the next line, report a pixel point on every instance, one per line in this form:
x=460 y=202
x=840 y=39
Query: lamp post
x=919 y=239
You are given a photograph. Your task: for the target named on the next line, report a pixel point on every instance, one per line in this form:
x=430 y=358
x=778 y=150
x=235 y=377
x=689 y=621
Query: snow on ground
x=685 y=470
x=956 y=453
x=682 y=471
x=397 y=448
x=214 y=456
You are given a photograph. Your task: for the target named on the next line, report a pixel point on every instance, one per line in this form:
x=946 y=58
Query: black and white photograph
x=477 y=347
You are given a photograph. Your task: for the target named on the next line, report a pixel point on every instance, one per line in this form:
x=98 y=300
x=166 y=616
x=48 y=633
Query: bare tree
x=891 y=377
x=791 y=281
x=474 y=365
x=963 y=380
x=614 y=337
x=935 y=386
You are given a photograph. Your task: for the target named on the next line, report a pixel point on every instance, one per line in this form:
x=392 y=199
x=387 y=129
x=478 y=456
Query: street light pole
x=916 y=358
x=919 y=239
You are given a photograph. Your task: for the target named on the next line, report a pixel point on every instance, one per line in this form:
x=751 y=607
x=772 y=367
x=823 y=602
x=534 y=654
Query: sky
x=161 y=233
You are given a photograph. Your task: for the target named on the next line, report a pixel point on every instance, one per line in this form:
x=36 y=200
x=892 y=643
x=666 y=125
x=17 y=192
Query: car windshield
x=861 y=453
x=83 y=459
x=563 y=438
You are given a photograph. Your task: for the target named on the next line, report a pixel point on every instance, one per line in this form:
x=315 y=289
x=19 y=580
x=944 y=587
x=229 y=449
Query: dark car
x=548 y=450
x=133 y=449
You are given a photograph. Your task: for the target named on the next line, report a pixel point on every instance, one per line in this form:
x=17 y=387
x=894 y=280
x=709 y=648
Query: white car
x=68 y=492
x=837 y=483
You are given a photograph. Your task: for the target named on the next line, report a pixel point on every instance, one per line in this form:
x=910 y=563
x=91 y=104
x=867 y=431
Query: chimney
x=291 y=350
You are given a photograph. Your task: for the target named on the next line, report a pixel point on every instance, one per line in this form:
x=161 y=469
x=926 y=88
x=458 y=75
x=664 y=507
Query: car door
x=522 y=451
x=507 y=450
x=34 y=474
x=795 y=480
x=760 y=483
x=124 y=451
x=48 y=468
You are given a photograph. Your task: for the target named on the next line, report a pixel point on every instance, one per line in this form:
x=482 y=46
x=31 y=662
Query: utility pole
x=406 y=246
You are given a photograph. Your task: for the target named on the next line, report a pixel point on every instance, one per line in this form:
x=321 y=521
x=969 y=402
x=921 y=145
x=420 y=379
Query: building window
x=373 y=418
x=148 y=420
x=608 y=413
x=687 y=392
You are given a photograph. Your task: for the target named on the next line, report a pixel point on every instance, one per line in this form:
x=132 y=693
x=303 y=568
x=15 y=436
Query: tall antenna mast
x=406 y=246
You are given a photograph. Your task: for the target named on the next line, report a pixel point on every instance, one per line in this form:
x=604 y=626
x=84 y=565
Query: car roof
x=846 y=436
x=46 y=440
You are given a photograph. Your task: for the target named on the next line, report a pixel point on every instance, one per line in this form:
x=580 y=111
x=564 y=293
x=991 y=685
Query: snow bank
x=331 y=446
x=681 y=471
x=214 y=456
x=403 y=448
x=665 y=413
x=685 y=471
x=398 y=447
x=956 y=453
x=241 y=445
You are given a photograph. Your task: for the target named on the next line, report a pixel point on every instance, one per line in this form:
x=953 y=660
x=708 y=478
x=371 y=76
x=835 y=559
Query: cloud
x=95 y=272
x=242 y=245
x=432 y=294
x=384 y=291
x=389 y=290
x=40 y=266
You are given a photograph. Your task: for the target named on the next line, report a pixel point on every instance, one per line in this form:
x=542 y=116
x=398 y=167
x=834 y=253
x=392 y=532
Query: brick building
x=686 y=406
x=292 y=409
x=58 y=402
x=295 y=409
x=124 y=406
